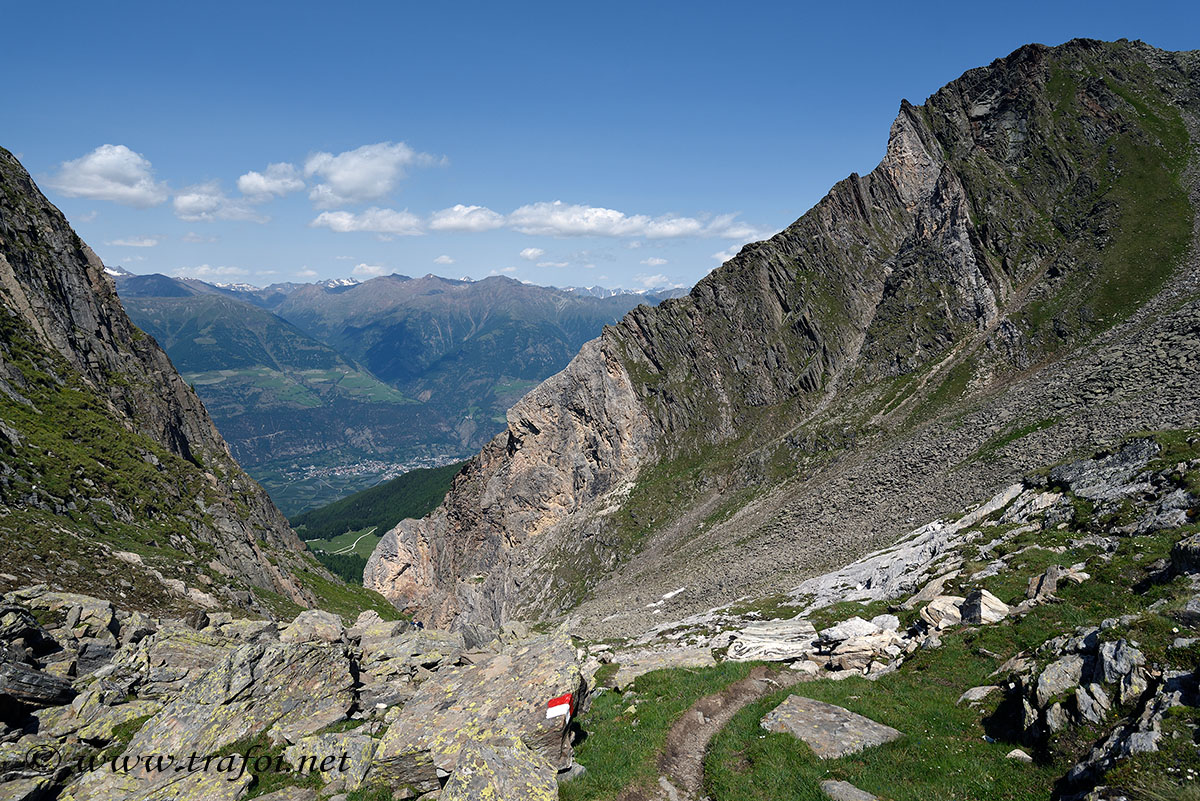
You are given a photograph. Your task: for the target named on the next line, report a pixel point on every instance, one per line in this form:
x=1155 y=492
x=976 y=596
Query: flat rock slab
x=845 y=791
x=636 y=664
x=830 y=731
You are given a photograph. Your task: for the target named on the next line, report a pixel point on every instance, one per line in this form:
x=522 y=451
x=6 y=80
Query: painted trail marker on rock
x=562 y=705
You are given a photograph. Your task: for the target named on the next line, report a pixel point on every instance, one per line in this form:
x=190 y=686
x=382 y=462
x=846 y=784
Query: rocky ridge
x=871 y=362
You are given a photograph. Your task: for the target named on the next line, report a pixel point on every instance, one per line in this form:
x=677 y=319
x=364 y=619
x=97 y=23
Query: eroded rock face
x=570 y=441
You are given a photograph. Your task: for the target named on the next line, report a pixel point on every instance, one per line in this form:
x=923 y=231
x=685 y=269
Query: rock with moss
x=508 y=691
x=500 y=767
x=314 y=625
x=347 y=754
x=282 y=690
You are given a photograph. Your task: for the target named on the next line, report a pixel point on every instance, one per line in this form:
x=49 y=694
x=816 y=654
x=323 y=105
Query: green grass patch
x=414 y=494
x=620 y=750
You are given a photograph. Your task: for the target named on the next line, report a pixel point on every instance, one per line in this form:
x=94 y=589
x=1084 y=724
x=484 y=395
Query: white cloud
x=566 y=219
x=369 y=270
x=278 y=179
x=725 y=255
x=653 y=281
x=192 y=236
x=532 y=254
x=443 y=259
x=306 y=273
x=466 y=218
x=366 y=173
x=374 y=220
x=563 y=219
x=552 y=264
x=88 y=217
x=508 y=269
x=726 y=226
x=207 y=202
x=111 y=172
x=133 y=242
x=654 y=261
x=208 y=271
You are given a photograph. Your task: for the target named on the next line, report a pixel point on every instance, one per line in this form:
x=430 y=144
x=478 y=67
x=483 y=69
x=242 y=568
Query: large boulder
x=1185 y=556
x=500 y=768
x=1059 y=677
x=349 y=753
x=981 y=607
x=943 y=612
x=1109 y=477
x=314 y=625
x=510 y=691
x=26 y=685
x=847 y=629
x=285 y=690
x=172 y=658
x=830 y=731
x=773 y=641
x=1116 y=660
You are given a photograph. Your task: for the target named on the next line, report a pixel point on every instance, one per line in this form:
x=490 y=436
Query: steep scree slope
x=958 y=315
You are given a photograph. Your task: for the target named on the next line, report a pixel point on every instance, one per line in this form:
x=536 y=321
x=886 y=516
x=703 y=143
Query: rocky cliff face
x=106 y=451
x=1028 y=213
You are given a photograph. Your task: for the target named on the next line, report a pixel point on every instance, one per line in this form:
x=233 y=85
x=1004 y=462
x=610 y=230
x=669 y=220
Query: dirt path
x=681 y=762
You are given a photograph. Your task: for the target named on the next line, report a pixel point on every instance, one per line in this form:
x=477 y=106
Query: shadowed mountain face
x=986 y=300
x=113 y=479
x=323 y=389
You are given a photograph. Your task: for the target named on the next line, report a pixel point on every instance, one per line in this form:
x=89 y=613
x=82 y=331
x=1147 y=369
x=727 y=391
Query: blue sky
x=624 y=144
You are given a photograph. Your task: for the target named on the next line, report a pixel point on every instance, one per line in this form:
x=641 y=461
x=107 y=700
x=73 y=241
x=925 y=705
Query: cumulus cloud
x=208 y=271
x=278 y=179
x=361 y=175
x=111 y=172
x=654 y=261
x=725 y=255
x=552 y=264
x=373 y=220
x=368 y=270
x=207 y=202
x=192 y=236
x=652 y=281
x=568 y=219
x=88 y=217
x=443 y=259
x=532 y=254
x=466 y=218
x=306 y=273
x=565 y=219
x=133 y=242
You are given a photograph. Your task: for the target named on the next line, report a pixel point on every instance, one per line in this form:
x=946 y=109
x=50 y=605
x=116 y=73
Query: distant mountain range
x=326 y=388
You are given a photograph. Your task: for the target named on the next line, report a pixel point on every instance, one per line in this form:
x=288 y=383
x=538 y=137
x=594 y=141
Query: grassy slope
x=414 y=494
x=136 y=496
x=944 y=754
x=372 y=512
